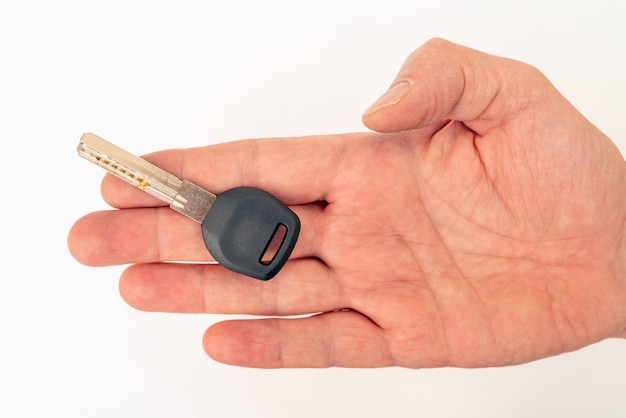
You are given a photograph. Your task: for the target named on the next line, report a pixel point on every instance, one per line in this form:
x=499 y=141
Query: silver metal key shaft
x=183 y=196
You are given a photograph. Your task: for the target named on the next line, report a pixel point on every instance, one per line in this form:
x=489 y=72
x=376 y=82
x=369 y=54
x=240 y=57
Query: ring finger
x=302 y=287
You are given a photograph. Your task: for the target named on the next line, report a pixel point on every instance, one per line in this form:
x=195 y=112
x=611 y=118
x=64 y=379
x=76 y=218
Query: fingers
x=343 y=338
x=302 y=287
x=295 y=170
x=148 y=235
x=442 y=80
x=136 y=236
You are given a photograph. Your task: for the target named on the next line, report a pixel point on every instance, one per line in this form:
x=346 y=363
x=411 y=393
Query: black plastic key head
x=249 y=231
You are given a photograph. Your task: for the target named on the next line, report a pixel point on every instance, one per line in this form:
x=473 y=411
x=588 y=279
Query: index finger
x=295 y=170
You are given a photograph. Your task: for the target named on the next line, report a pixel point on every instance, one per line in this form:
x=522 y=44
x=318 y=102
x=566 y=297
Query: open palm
x=484 y=228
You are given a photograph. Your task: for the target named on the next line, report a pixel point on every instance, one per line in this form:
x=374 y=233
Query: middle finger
x=149 y=235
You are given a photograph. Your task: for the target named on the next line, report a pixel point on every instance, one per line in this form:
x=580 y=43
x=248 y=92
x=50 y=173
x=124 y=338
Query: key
x=247 y=230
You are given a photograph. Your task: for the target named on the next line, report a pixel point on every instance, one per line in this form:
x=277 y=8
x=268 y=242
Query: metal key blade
x=182 y=195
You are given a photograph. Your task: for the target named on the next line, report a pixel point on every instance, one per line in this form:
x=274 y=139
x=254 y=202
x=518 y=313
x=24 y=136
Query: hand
x=485 y=228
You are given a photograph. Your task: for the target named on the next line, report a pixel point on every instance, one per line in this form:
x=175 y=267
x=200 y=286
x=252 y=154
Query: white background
x=150 y=75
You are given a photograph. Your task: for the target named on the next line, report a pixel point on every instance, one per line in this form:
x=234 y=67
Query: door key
x=247 y=230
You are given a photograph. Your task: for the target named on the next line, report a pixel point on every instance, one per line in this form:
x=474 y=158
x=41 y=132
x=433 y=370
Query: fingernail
x=390 y=97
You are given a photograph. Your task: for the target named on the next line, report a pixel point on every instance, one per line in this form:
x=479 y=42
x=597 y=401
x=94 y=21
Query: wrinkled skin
x=482 y=225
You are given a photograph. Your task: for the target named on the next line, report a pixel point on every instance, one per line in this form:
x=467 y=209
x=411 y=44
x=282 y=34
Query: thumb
x=442 y=80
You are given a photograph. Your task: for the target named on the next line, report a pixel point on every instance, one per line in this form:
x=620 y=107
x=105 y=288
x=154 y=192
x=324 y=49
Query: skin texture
x=482 y=224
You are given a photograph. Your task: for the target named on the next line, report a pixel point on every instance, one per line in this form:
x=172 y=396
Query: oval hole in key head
x=274 y=245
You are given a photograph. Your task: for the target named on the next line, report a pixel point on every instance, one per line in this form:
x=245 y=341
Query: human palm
x=484 y=229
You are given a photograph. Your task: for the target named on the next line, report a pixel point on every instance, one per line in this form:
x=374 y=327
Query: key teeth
x=128 y=167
